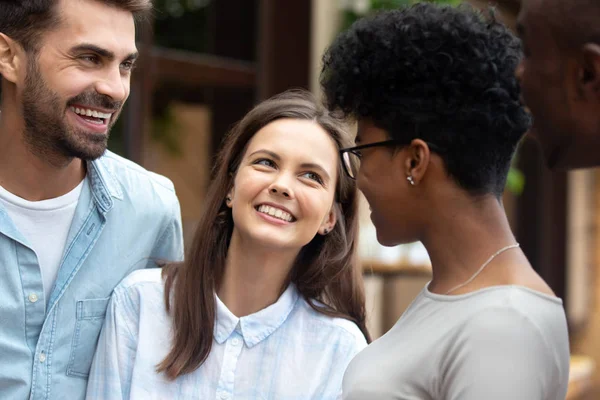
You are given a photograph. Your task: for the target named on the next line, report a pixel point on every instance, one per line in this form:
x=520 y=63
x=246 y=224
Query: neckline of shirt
x=495 y=288
x=65 y=200
x=255 y=327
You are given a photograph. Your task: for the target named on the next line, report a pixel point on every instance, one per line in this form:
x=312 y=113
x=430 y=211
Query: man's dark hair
x=441 y=74
x=25 y=20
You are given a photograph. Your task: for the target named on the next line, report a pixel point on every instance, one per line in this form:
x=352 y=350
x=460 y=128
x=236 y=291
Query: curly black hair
x=442 y=74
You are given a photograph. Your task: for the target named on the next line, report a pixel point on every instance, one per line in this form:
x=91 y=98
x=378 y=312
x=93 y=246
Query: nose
x=114 y=85
x=281 y=187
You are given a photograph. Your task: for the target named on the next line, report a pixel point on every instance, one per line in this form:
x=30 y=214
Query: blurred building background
x=205 y=63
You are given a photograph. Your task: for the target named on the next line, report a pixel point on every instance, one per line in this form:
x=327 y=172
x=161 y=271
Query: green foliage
x=352 y=13
x=181 y=25
x=165 y=130
x=515 y=182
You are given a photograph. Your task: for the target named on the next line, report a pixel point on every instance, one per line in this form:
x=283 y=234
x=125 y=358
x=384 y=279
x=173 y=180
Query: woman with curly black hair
x=439 y=118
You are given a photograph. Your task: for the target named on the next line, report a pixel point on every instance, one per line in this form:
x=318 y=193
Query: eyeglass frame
x=396 y=142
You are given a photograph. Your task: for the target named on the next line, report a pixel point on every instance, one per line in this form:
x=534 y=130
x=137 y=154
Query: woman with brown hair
x=269 y=302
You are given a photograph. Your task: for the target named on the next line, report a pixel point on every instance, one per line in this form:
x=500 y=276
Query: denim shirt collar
x=256 y=327
x=104 y=188
x=103 y=184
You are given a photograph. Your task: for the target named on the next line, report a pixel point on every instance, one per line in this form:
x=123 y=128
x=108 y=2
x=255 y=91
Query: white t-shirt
x=45 y=225
x=498 y=343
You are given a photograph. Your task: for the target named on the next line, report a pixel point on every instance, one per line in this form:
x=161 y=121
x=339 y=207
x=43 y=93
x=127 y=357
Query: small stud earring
x=228 y=199
x=411 y=180
x=325 y=231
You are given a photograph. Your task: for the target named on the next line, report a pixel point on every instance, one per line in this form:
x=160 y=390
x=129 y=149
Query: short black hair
x=442 y=74
x=26 y=20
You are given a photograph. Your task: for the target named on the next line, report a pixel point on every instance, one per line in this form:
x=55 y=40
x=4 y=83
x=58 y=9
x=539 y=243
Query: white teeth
x=275 y=212
x=91 y=113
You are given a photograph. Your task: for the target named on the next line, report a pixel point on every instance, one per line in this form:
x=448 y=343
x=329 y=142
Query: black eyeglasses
x=351 y=156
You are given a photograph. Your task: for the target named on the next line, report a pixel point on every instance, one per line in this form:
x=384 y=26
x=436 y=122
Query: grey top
x=498 y=343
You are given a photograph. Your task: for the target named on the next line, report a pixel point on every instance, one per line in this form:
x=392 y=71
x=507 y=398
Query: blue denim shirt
x=126 y=219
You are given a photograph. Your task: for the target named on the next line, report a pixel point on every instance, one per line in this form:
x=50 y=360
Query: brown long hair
x=326 y=270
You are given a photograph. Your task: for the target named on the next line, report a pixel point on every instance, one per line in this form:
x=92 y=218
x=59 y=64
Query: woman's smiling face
x=285 y=185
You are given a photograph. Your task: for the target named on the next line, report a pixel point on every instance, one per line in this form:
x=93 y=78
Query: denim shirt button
x=33 y=297
x=42 y=357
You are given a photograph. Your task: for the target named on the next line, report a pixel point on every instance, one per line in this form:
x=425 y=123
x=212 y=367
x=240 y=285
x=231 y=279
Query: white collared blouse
x=285 y=351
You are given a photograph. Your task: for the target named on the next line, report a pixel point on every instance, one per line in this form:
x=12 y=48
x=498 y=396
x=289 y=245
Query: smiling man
x=560 y=77
x=74 y=218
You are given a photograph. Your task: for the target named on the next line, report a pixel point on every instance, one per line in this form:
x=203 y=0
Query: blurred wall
x=585 y=281
x=189 y=166
x=325 y=21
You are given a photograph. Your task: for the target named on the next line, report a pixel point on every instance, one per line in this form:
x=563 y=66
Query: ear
x=416 y=161
x=329 y=221
x=589 y=76
x=11 y=58
x=229 y=197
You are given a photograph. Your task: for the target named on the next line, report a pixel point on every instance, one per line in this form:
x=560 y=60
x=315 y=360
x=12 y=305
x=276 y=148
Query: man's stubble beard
x=47 y=134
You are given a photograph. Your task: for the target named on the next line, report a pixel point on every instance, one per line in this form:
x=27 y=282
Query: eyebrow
x=276 y=157
x=102 y=52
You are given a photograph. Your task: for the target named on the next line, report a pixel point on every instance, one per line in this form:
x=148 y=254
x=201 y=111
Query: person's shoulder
x=138 y=302
x=142 y=276
x=133 y=176
x=519 y=302
x=140 y=283
x=500 y=320
x=345 y=329
x=501 y=339
x=519 y=313
x=351 y=330
x=521 y=326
